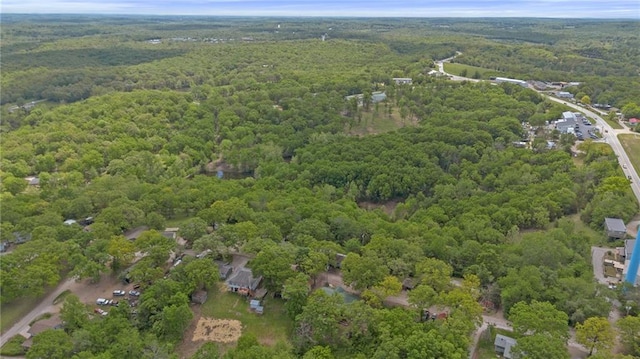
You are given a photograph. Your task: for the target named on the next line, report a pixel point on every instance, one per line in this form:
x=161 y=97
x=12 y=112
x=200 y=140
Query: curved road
x=45 y=306
x=610 y=135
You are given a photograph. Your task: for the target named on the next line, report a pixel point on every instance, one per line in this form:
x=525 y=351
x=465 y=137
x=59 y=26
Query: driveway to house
x=45 y=306
x=597 y=260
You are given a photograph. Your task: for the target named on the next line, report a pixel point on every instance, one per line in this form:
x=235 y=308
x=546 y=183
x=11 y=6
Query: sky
x=605 y=9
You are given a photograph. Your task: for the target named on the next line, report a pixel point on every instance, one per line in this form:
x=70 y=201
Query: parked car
x=103 y=301
x=100 y=311
x=134 y=293
x=119 y=293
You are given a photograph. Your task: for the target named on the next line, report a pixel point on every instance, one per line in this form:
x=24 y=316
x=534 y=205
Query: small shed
x=503 y=345
x=199 y=296
x=254 y=303
x=409 y=283
x=260 y=293
x=615 y=228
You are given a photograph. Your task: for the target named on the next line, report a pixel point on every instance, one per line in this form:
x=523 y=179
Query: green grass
x=485 y=349
x=41 y=317
x=13 y=347
x=11 y=312
x=271 y=327
x=457 y=69
x=374 y=122
x=613 y=123
x=631 y=144
x=61 y=296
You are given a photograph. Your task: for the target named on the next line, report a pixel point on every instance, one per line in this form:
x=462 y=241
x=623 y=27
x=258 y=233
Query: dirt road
x=46 y=305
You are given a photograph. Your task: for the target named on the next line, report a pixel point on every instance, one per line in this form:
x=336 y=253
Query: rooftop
x=615 y=225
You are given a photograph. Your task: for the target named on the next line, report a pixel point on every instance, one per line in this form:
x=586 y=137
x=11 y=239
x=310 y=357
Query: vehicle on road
x=624 y=165
x=119 y=293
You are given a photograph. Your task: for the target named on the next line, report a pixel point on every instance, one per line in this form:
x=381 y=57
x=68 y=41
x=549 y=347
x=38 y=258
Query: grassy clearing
x=458 y=69
x=10 y=313
x=631 y=144
x=373 y=122
x=13 y=347
x=485 y=349
x=613 y=123
x=271 y=327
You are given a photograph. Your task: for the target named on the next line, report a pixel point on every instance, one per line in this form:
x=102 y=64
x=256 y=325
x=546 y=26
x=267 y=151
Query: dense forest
x=132 y=132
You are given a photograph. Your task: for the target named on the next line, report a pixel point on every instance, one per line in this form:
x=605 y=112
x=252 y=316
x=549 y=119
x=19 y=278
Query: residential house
x=243 y=282
x=564 y=94
x=409 y=283
x=403 y=80
x=503 y=345
x=615 y=228
x=20 y=237
x=33 y=181
x=132 y=234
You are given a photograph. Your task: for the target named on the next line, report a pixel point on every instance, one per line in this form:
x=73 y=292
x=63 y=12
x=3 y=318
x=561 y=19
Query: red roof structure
x=634 y=120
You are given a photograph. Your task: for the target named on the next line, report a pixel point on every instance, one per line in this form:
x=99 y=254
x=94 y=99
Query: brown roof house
x=243 y=282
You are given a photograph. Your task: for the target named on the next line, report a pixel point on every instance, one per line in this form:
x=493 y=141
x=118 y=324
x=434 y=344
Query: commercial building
x=512 y=81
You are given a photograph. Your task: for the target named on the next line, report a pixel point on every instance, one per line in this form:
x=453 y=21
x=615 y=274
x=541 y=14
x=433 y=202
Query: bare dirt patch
x=217 y=330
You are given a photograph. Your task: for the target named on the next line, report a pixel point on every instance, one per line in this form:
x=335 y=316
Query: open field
x=457 y=69
x=10 y=313
x=375 y=122
x=631 y=144
x=271 y=327
x=613 y=123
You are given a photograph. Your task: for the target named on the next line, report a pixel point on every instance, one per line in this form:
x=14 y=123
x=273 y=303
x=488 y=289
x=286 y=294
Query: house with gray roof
x=615 y=228
x=243 y=282
x=503 y=345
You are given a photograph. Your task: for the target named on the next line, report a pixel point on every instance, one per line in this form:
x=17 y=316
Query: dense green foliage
x=132 y=131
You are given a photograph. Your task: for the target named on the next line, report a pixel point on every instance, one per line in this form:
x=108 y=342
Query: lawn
x=457 y=69
x=613 y=123
x=485 y=349
x=10 y=313
x=631 y=144
x=374 y=122
x=271 y=327
x=13 y=347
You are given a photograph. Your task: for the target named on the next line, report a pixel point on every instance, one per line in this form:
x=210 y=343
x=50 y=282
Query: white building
x=403 y=80
x=512 y=81
x=564 y=94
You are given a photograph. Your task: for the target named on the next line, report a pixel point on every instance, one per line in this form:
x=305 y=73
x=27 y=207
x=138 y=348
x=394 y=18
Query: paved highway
x=609 y=134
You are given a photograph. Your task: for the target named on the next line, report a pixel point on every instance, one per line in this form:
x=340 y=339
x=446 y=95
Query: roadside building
x=564 y=94
x=403 y=80
x=512 y=81
x=615 y=228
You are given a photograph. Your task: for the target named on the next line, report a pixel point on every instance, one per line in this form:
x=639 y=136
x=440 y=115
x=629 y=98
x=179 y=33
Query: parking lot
x=584 y=129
